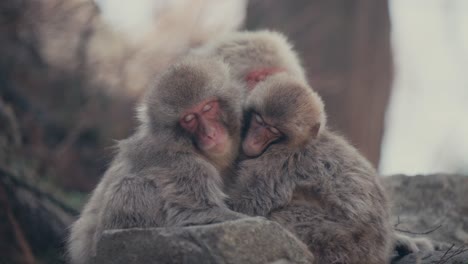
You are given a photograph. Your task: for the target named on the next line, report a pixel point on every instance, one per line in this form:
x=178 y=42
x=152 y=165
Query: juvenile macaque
x=168 y=172
x=309 y=179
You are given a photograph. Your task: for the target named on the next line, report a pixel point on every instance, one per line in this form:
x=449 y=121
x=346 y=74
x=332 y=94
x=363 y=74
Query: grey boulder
x=434 y=206
x=250 y=240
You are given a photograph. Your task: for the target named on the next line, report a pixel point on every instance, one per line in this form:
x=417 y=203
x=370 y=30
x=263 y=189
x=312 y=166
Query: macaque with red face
x=168 y=173
x=309 y=179
x=210 y=136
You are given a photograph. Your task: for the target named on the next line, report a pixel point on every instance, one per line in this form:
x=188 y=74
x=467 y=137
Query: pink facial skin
x=202 y=121
x=259 y=136
x=256 y=76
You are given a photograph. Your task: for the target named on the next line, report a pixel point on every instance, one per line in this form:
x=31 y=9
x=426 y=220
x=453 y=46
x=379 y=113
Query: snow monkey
x=168 y=172
x=255 y=56
x=309 y=179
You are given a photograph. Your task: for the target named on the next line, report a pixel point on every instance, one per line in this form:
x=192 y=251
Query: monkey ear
x=315 y=130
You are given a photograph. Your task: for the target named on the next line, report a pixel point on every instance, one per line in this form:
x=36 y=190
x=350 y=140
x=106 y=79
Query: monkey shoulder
x=331 y=164
x=138 y=197
x=334 y=153
x=321 y=157
x=124 y=199
x=148 y=172
x=134 y=202
x=135 y=197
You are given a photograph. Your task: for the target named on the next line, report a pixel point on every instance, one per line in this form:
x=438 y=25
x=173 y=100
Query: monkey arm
x=343 y=181
x=355 y=194
x=334 y=240
x=139 y=202
x=339 y=207
x=256 y=200
x=352 y=224
x=192 y=193
x=131 y=202
x=261 y=187
x=250 y=202
x=205 y=217
x=87 y=229
x=81 y=242
x=404 y=244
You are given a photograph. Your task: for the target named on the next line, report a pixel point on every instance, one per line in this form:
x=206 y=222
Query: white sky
x=427 y=120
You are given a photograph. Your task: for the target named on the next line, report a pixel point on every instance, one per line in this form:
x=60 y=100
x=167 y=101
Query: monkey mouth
x=214 y=143
x=207 y=144
x=253 y=147
x=257 y=140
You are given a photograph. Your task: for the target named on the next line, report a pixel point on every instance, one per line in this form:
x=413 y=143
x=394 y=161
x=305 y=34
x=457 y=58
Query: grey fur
x=246 y=51
x=158 y=178
x=321 y=189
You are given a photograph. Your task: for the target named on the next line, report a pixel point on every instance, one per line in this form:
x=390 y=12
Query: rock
x=251 y=240
x=434 y=206
x=423 y=203
x=455 y=255
x=420 y=204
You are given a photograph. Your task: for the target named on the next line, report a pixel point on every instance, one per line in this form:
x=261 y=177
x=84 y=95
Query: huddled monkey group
x=234 y=130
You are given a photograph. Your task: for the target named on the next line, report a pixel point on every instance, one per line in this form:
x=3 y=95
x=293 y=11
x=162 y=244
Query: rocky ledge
x=435 y=206
x=251 y=240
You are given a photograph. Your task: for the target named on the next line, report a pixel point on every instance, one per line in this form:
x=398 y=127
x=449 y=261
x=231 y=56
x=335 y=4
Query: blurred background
x=392 y=74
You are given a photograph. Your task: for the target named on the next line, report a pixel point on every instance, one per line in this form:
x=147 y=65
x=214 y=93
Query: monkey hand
x=405 y=245
x=216 y=215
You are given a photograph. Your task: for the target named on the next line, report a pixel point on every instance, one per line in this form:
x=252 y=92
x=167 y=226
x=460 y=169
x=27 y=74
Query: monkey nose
x=208 y=130
x=252 y=145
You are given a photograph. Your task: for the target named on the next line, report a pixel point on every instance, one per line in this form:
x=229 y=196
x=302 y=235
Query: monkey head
x=195 y=102
x=281 y=110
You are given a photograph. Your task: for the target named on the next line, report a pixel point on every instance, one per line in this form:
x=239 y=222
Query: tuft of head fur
x=289 y=105
x=185 y=84
x=249 y=50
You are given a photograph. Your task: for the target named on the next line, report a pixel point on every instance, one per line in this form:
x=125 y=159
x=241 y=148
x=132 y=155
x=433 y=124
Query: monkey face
x=203 y=122
x=260 y=135
x=285 y=111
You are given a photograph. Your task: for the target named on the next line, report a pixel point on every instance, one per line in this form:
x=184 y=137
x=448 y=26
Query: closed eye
x=259 y=119
x=207 y=108
x=189 y=117
x=274 y=130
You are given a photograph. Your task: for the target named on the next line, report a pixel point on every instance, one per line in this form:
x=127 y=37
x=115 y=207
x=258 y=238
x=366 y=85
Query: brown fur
x=298 y=117
x=159 y=178
x=321 y=189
